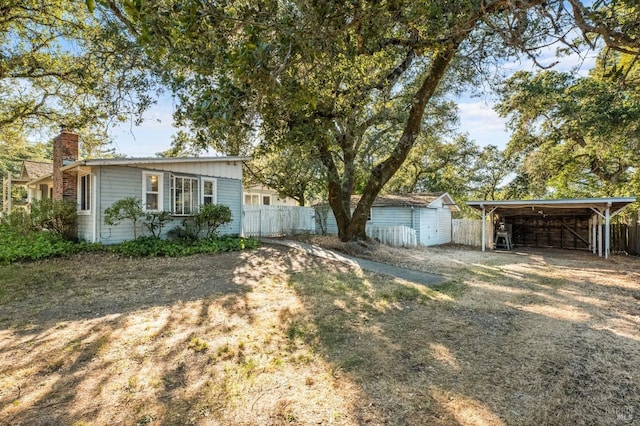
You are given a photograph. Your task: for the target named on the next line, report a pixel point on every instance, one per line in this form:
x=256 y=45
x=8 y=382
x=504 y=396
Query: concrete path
x=410 y=275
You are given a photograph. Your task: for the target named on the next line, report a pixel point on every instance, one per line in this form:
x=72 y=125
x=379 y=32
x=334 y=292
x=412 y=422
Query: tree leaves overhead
x=338 y=77
x=61 y=65
x=575 y=136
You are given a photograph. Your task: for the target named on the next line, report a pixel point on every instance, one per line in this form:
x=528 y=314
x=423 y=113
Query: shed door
x=444 y=226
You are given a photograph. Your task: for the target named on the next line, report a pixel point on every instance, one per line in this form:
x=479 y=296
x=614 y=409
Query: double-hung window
x=185 y=195
x=152 y=191
x=208 y=191
x=84 y=193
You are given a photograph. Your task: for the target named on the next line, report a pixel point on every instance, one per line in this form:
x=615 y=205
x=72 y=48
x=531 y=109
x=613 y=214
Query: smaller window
x=152 y=191
x=251 y=199
x=208 y=191
x=84 y=193
x=266 y=200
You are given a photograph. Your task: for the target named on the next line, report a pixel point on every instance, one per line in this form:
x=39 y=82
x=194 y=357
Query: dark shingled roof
x=392 y=200
x=35 y=169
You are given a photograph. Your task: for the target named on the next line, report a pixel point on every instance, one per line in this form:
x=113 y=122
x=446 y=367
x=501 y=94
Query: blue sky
x=477 y=117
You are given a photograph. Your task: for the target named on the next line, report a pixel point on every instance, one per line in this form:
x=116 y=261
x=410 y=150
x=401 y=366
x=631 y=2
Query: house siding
x=391 y=216
x=428 y=227
x=85 y=227
x=444 y=226
x=117 y=182
x=221 y=169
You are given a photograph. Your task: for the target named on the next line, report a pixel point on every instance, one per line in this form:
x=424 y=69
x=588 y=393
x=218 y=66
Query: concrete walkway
x=417 y=277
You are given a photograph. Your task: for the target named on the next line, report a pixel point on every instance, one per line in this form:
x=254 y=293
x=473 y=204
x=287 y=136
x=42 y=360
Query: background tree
x=575 y=136
x=327 y=73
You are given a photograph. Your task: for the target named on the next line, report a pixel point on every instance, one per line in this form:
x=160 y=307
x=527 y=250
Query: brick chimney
x=65 y=151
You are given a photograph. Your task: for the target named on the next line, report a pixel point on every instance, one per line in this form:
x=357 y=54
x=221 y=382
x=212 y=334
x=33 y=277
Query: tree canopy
x=334 y=78
x=576 y=136
x=59 y=64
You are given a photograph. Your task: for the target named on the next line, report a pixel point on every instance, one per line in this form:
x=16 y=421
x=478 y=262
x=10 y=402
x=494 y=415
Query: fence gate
x=277 y=221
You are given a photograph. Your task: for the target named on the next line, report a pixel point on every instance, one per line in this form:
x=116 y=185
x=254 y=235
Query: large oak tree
x=326 y=76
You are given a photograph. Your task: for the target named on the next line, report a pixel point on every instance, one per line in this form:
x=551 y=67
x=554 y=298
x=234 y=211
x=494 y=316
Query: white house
x=262 y=195
x=429 y=214
x=178 y=185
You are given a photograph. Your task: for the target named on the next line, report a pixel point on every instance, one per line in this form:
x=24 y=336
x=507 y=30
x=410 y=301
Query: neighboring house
x=264 y=196
x=178 y=185
x=429 y=214
x=30 y=170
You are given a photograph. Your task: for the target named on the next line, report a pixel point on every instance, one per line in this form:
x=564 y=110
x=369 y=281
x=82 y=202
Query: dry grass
x=276 y=337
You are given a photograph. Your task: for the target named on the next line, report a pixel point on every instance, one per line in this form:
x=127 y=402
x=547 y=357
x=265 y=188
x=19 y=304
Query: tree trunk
x=355 y=228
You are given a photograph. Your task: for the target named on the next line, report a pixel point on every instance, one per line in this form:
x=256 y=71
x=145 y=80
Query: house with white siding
x=178 y=185
x=429 y=214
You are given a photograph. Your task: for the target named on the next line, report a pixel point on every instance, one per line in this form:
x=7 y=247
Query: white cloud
x=483 y=124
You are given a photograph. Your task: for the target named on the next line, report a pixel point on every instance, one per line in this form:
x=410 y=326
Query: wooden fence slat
x=466 y=231
x=276 y=221
x=397 y=236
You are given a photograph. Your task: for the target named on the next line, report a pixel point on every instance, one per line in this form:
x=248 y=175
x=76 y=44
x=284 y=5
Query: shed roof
x=409 y=200
x=579 y=207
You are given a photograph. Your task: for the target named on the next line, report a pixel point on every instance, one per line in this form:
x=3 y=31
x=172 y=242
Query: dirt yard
x=275 y=336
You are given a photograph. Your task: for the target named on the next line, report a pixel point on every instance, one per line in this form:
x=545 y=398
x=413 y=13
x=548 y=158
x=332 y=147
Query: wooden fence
x=466 y=231
x=277 y=221
x=397 y=236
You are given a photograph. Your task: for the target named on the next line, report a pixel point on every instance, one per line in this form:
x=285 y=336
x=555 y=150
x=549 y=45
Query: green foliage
x=61 y=64
x=210 y=217
x=187 y=232
x=575 y=136
x=152 y=246
x=16 y=245
x=155 y=221
x=59 y=217
x=129 y=208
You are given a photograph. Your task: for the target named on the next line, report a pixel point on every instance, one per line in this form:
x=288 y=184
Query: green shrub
x=153 y=246
x=129 y=208
x=211 y=217
x=60 y=217
x=36 y=245
x=18 y=222
x=155 y=221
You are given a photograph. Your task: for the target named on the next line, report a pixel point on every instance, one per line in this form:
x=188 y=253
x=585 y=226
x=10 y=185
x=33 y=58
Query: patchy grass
x=273 y=336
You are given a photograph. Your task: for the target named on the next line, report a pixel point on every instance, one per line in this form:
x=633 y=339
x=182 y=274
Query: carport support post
x=594 y=222
x=600 y=235
x=607 y=230
x=484 y=228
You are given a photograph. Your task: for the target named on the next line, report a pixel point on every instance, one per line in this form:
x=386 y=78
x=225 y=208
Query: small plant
x=211 y=217
x=155 y=221
x=129 y=208
x=198 y=345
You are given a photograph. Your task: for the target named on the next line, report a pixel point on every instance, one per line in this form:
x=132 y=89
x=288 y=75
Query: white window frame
x=214 y=183
x=194 y=200
x=83 y=195
x=160 y=176
x=251 y=198
x=266 y=197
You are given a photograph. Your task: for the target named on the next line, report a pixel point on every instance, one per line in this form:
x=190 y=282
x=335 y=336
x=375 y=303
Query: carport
x=562 y=223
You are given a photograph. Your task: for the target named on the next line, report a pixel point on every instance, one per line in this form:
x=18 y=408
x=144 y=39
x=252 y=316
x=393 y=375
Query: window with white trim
x=152 y=191
x=251 y=199
x=266 y=200
x=209 y=191
x=84 y=193
x=184 y=195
